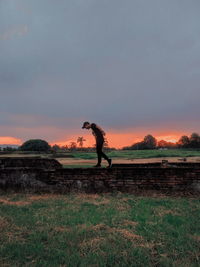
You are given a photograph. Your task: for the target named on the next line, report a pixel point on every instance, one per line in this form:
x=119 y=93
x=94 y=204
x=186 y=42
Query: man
x=99 y=136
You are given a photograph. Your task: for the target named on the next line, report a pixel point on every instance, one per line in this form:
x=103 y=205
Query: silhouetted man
x=99 y=135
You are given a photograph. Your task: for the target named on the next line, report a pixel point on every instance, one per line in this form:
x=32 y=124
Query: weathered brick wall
x=28 y=162
x=174 y=177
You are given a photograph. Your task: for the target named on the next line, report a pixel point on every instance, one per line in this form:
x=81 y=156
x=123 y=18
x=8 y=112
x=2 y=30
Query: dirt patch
x=122 y=206
x=15 y=203
x=93 y=242
x=62 y=229
x=82 y=226
x=162 y=212
x=43 y=197
x=130 y=223
x=16 y=236
x=11 y=231
x=3 y=223
x=30 y=199
x=127 y=234
x=196 y=237
x=83 y=196
x=102 y=202
x=92 y=199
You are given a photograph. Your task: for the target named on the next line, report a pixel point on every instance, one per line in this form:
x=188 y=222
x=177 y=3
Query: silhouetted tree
x=80 y=140
x=73 y=146
x=184 y=141
x=165 y=144
x=35 y=145
x=195 y=140
x=150 y=142
x=55 y=148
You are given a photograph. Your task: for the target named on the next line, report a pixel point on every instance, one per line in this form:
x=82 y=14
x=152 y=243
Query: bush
x=35 y=145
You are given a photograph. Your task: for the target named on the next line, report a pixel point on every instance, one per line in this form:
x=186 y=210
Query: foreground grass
x=98 y=230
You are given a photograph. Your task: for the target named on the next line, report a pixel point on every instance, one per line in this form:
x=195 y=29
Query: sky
x=131 y=66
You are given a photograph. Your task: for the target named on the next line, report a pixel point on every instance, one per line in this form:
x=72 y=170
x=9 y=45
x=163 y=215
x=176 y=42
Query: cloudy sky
x=131 y=66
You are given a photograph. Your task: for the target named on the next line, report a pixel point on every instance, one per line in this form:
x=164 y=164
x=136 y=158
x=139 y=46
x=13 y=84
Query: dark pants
x=100 y=154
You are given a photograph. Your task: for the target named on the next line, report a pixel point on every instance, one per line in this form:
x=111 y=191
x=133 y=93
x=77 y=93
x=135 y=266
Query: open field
x=99 y=230
x=88 y=159
x=83 y=159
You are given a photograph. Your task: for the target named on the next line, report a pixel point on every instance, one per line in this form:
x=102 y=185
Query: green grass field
x=76 y=159
x=127 y=154
x=139 y=154
x=99 y=230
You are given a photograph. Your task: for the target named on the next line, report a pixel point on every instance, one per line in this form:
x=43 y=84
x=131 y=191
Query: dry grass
x=83 y=196
x=16 y=203
x=129 y=223
x=62 y=229
x=196 y=238
x=94 y=199
x=126 y=234
x=11 y=231
x=160 y=211
x=29 y=199
x=43 y=197
x=93 y=242
x=3 y=223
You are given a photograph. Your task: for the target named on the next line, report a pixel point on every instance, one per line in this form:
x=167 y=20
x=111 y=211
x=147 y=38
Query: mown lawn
x=99 y=230
x=140 y=154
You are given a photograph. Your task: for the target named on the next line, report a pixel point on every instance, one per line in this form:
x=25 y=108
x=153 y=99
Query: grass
x=136 y=154
x=98 y=230
x=123 y=155
x=130 y=154
x=139 y=154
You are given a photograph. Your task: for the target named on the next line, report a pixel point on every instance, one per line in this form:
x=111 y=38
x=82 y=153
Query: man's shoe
x=110 y=163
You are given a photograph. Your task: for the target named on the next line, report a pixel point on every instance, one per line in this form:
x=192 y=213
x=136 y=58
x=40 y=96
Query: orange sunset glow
x=8 y=140
x=119 y=140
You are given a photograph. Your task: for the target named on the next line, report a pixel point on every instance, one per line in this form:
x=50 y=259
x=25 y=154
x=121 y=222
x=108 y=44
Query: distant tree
x=64 y=148
x=35 y=145
x=73 y=145
x=165 y=144
x=138 y=146
x=9 y=149
x=55 y=148
x=80 y=141
x=150 y=142
x=184 y=141
x=195 y=140
x=162 y=144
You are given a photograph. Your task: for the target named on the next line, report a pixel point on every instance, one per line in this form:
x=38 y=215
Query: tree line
x=43 y=146
x=150 y=142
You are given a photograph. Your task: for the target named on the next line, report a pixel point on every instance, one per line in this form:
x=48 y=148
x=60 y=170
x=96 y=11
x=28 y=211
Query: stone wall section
x=40 y=176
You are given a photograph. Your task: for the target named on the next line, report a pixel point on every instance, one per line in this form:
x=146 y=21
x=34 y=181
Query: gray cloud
x=122 y=63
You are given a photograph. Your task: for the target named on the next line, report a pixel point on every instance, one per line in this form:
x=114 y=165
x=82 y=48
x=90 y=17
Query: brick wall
x=170 y=177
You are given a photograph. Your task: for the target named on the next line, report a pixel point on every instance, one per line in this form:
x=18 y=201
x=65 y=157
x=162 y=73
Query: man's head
x=86 y=125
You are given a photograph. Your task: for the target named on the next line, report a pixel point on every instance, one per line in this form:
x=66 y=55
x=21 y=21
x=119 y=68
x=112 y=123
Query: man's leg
x=99 y=153
x=102 y=154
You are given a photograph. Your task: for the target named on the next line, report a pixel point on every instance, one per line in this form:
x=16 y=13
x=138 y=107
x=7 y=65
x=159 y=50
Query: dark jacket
x=98 y=133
